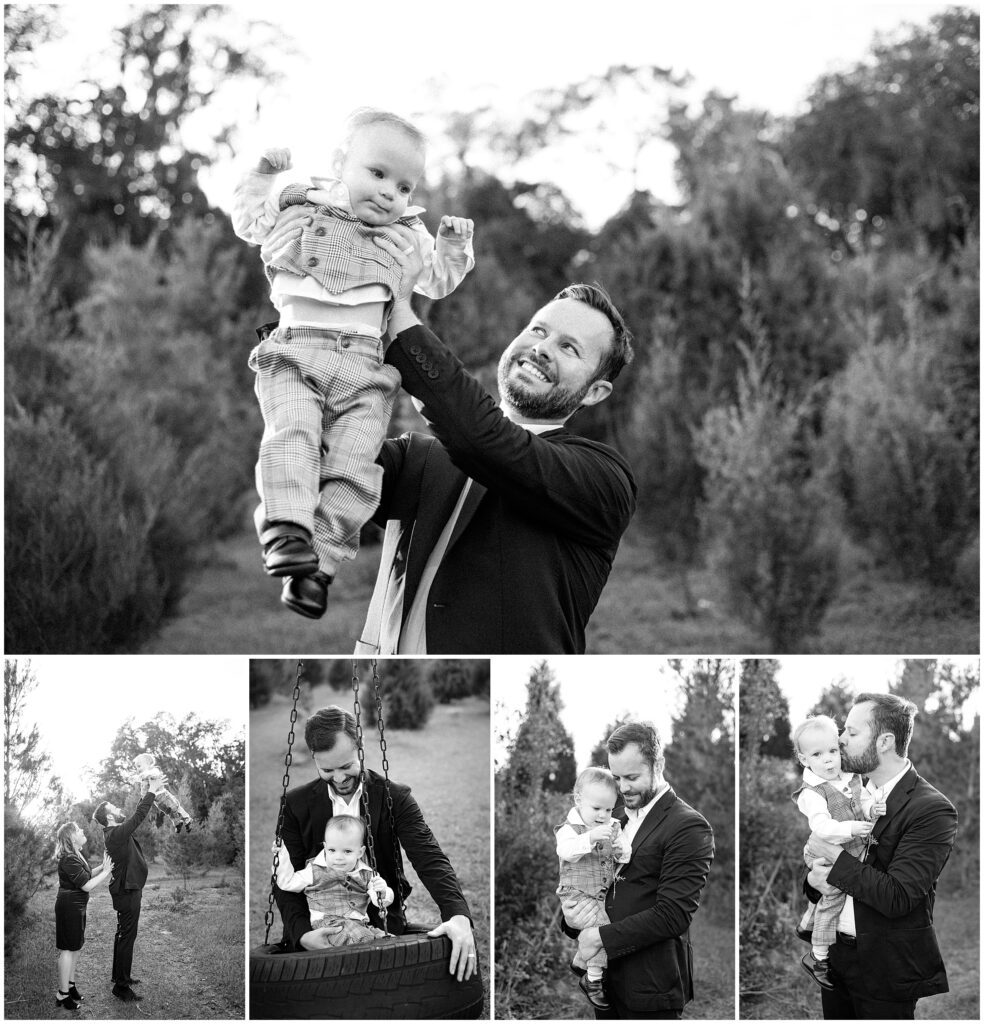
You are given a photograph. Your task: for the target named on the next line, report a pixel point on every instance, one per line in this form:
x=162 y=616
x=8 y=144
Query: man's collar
x=639 y=814
x=887 y=787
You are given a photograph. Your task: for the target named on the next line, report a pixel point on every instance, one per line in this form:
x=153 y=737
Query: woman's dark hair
x=322 y=728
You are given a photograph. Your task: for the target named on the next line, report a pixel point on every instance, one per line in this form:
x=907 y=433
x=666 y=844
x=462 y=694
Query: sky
x=595 y=690
x=81 y=701
x=427 y=59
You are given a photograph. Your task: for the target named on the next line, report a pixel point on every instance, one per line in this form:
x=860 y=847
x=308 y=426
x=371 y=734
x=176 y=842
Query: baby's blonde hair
x=595 y=774
x=363 y=117
x=823 y=721
x=346 y=823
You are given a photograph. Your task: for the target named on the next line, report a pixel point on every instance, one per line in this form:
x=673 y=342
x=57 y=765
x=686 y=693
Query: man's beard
x=557 y=404
x=642 y=798
x=861 y=764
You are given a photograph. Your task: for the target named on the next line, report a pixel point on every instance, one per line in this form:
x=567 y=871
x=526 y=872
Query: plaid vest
x=842 y=808
x=338 y=895
x=593 y=873
x=337 y=249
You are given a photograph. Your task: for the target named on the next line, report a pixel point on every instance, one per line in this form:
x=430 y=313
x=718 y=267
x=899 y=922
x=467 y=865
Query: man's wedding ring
x=470 y=956
x=408 y=250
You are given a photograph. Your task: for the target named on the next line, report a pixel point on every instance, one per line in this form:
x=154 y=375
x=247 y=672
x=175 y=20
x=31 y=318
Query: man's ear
x=598 y=392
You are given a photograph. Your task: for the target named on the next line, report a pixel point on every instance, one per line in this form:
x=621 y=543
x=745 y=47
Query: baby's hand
x=379 y=886
x=273 y=161
x=601 y=832
x=460 y=227
x=861 y=828
x=878 y=808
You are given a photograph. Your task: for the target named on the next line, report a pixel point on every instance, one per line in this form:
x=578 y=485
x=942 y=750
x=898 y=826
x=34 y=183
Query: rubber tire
x=404 y=977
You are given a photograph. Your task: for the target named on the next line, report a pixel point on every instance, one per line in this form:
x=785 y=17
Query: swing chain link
x=288 y=759
x=360 y=746
x=386 y=783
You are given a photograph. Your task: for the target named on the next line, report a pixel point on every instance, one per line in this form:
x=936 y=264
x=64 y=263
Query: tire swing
x=400 y=977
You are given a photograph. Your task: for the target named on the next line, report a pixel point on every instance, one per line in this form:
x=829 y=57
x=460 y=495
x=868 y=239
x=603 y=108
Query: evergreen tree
x=542 y=754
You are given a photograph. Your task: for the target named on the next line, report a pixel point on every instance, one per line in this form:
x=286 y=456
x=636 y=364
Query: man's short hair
x=100 y=815
x=620 y=352
x=364 y=117
x=891 y=713
x=643 y=733
x=346 y=823
x=322 y=729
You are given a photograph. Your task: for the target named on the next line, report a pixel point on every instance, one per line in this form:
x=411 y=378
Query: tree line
x=205 y=768
x=805 y=394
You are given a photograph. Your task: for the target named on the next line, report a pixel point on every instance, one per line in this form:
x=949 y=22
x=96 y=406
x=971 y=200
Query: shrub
x=767 y=512
x=897 y=462
x=24 y=852
x=407 y=696
x=451 y=680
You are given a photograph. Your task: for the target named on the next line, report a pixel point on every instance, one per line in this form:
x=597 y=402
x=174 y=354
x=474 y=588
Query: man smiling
x=886 y=956
x=657 y=893
x=501 y=529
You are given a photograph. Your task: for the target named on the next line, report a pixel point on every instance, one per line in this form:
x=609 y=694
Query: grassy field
x=231 y=607
x=447 y=767
x=189 y=955
x=794 y=996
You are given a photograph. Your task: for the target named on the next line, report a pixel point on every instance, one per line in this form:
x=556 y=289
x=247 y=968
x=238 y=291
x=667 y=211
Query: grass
x=446 y=765
x=188 y=955
x=231 y=607
x=957 y=920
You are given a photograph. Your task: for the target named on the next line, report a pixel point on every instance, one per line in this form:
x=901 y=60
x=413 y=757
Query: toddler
x=589 y=847
x=839 y=810
x=324 y=391
x=338 y=884
x=165 y=803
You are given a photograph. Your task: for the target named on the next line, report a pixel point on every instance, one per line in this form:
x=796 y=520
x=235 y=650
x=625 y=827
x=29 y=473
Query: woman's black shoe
x=75 y=993
x=68 y=1003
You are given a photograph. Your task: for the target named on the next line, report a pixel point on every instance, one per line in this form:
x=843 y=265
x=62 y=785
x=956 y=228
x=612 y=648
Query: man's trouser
x=847 y=1001
x=127 y=907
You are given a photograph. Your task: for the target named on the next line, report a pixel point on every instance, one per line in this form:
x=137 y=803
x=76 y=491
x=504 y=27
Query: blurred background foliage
x=804 y=400
x=533 y=785
x=945 y=750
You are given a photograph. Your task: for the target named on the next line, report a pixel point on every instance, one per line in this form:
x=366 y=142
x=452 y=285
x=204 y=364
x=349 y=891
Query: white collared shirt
x=572 y=846
x=846 y=922
x=339 y=805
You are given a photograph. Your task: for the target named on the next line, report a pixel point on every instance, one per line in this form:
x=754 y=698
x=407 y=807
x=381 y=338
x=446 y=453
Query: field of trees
x=533 y=783
x=802 y=416
x=945 y=750
x=192 y=924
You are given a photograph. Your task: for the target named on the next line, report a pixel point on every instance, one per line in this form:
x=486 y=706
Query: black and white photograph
x=643 y=328
x=614 y=838
x=369 y=839
x=124 y=839
x=859 y=817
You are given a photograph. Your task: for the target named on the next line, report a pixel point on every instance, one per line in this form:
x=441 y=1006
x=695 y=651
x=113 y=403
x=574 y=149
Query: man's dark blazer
x=895 y=890
x=650 y=905
x=306 y=813
x=129 y=865
x=535 y=542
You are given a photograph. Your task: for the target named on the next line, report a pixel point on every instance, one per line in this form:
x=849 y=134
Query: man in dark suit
x=126 y=884
x=330 y=735
x=501 y=529
x=886 y=956
x=650 y=960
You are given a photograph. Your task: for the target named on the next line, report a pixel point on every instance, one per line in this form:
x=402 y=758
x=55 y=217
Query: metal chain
x=386 y=783
x=360 y=746
x=288 y=758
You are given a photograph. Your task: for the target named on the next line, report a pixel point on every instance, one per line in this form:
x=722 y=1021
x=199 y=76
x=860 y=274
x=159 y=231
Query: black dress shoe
x=126 y=993
x=291 y=555
x=307 y=595
x=594 y=989
x=579 y=971
x=818 y=970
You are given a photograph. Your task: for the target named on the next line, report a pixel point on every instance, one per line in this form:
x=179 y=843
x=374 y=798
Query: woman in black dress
x=75 y=882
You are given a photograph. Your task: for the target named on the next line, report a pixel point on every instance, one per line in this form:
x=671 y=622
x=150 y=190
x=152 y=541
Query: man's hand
x=156 y=784
x=818 y=877
x=589 y=943
x=456 y=227
x=274 y=161
x=290 y=224
x=824 y=848
x=463 y=956
x=401 y=243
x=317 y=938
x=578 y=914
